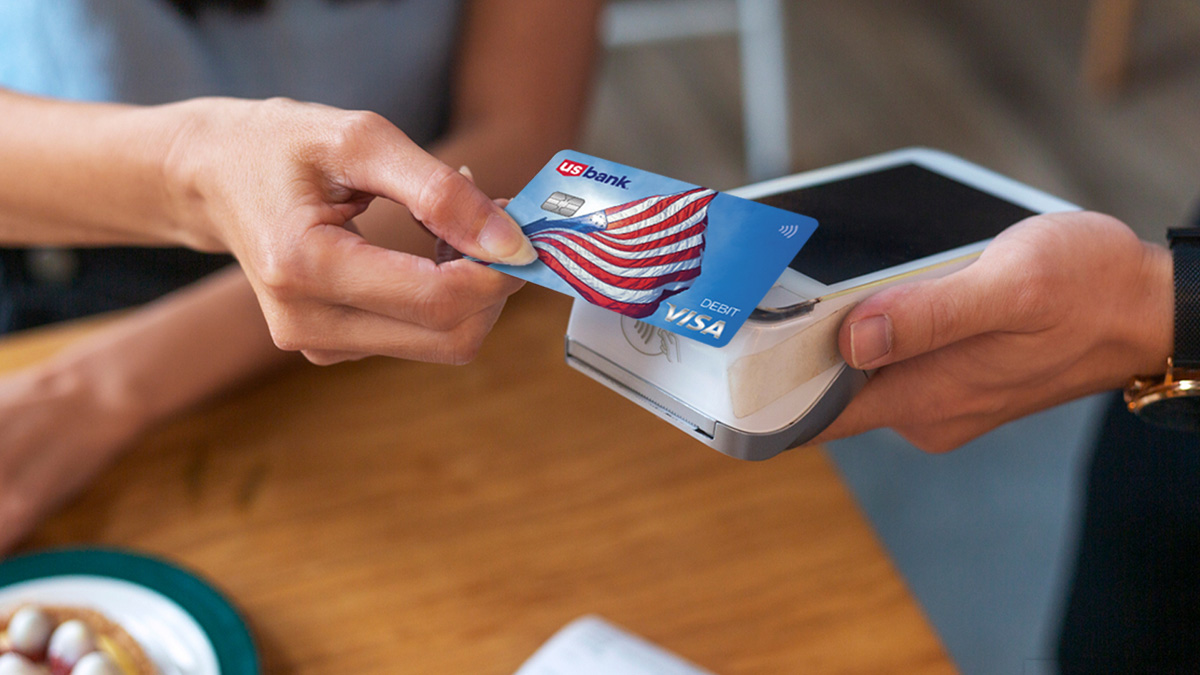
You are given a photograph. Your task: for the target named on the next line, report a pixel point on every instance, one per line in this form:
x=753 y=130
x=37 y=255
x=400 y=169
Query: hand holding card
x=685 y=258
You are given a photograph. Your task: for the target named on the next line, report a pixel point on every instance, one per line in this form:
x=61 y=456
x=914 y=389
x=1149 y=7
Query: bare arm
x=273 y=182
x=86 y=173
x=65 y=419
x=213 y=335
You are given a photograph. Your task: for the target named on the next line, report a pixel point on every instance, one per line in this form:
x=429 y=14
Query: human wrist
x=90 y=381
x=78 y=172
x=1151 y=322
x=182 y=164
x=119 y=371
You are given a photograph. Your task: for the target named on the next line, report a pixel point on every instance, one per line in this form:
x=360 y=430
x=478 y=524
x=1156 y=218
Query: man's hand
x=1058 y=307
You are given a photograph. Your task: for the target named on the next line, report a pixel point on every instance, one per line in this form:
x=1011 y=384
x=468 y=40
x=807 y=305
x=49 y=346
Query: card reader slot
x=639 y=390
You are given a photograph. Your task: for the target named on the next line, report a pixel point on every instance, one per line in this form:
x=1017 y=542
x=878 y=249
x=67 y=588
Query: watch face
x=1177 y=412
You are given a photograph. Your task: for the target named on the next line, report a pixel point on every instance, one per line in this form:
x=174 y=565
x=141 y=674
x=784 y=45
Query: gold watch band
x=1170 y=400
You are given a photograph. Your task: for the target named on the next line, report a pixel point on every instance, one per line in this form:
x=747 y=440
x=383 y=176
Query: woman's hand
x=60 y=430
x=278 y=183
x=1057 y=307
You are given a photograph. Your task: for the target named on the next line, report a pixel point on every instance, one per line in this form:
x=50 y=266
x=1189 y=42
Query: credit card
x=688 y=259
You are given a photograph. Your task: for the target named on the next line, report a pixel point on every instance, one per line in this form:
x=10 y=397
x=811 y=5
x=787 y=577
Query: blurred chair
x=760 y=27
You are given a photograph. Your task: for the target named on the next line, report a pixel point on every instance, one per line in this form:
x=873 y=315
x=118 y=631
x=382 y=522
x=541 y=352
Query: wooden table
x=395 y=517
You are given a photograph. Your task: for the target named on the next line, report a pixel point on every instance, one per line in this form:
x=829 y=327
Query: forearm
x=63 y=420
x=525 y=70
x=212 y=335
x=176 y=352
x=86 y=172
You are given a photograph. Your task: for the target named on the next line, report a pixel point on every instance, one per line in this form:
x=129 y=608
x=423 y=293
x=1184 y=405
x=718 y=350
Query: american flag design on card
x=678 y=256
x=632 y=256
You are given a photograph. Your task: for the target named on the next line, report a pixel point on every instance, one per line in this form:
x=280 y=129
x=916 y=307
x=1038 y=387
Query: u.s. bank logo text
x=572 y=169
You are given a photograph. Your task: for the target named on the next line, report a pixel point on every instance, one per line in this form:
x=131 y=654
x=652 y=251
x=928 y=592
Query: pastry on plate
x=57 y=640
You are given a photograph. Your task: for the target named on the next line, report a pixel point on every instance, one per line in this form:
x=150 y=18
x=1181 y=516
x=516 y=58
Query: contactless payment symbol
x=650 y=340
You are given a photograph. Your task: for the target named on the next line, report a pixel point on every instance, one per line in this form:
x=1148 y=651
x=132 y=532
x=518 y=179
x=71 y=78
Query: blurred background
x=1095 y=101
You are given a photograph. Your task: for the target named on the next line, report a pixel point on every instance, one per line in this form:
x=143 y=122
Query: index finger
x=346 y=270
x=387 y=163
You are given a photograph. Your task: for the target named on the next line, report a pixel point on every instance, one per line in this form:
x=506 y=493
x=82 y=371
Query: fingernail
x=466 y=171
x=870 y=340
x=502 y=238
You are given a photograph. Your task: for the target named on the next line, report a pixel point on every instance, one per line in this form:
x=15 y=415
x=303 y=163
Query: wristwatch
x=1173 y=398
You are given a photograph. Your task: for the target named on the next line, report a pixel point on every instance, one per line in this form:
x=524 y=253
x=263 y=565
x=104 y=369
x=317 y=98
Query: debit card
x=688 y=259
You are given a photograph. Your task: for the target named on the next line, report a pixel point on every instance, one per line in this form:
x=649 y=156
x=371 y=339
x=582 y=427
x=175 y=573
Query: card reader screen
x=879 y=220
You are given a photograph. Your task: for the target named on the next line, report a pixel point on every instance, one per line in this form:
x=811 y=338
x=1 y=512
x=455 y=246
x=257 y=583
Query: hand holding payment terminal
x=902 y=216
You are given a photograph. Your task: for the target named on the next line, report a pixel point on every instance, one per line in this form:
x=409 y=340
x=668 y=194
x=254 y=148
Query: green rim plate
x=216 y=616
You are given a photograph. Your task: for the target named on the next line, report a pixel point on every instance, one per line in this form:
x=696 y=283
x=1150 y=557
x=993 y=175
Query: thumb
x=444 y=200
x=451 y=207
x=912 y=319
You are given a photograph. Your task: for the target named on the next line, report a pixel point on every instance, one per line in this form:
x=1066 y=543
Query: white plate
x=184 y=625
